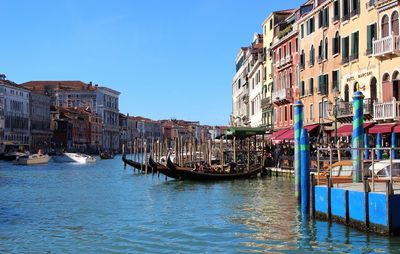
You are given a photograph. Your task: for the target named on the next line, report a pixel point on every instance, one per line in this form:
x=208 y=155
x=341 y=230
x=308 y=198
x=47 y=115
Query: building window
x=302 y=60
x=336 y=11
x=385 y=26
x=286 y=114
x=252 y=107
x=290 y=48
x=270 y=24
x=346 y=93
x=320 y=52
x=345 y=50
x=326 y=48
x=355 y=8
x=291 y=112
x=320 y=107
x=323 y=84
x=290 y=79
x=284 y=79
x=354 y=46
x=371 y=35
x=311 y=86
x=311 y=112
x=312 y=57
x=346 y=10
x=302 y=91
x=297 y=44
x=326 y=109
x=336 y=44
x=395 y=23
x=302 y=31
x=335 y=80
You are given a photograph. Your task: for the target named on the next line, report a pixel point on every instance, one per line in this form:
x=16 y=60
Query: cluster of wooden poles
x=184 y=150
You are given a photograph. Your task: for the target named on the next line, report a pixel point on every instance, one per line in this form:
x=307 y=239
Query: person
x=385 y=155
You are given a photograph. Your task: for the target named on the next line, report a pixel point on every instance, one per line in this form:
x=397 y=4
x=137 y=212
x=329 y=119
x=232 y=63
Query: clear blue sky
x=168 y=58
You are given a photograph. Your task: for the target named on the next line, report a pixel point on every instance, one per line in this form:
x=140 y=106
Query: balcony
x=266 y=103
x=387 y=46
x=345 y=111
x=282 y=96
x=387 y=110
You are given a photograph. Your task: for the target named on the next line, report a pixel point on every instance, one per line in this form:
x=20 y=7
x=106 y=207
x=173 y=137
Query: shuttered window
x=395 y=23
x=385 y=26
x=371 y=35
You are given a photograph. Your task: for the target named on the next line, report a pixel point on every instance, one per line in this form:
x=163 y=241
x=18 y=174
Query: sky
x=169 y=59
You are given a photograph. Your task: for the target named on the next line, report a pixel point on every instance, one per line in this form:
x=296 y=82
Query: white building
x=247 y=85
x=14 y=116
x=107 y=106
x=240 y=89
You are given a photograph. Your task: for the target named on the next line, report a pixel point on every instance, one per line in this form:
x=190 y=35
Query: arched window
x=395 y=23
x=302 y=58
x=356 y=87
x=373 y=89
x=326 y=48
x=336 y=44
x=396 y=75
x=386 y=77
x=346 y=93
x=385 y=26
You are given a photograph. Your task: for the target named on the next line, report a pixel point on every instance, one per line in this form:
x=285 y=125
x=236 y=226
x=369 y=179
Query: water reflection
x=277 y=226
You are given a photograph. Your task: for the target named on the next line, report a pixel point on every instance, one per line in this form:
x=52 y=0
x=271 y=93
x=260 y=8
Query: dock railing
x=368 y=166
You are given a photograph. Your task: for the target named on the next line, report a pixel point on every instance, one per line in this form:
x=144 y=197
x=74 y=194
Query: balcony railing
x=387 y=45
x=387 y=110
x=283 y=95
x=345 y=108
x=266 y=103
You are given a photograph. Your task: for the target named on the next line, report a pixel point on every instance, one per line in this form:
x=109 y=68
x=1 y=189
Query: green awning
x=244 y=131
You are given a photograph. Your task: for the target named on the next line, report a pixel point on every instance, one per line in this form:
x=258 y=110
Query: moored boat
x=162 y=169
x=106 y=156
x=12 y=156
x=33 y=159
x=186 y=173
x=75 y=157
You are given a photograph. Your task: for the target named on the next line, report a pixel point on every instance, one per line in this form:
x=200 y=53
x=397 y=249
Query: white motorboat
x=33 y=159
x=75 y=157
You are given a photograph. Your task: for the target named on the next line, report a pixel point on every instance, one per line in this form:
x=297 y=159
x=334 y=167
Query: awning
x=290 y=133
x=396 y=129
x=347 y=129
x=278 y=133
x=382 y=128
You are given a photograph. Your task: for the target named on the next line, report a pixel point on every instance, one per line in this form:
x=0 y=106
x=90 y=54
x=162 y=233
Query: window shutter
x=344 y=46
x=353 y=44
x=327 y=16
x=320 y=19
x=333 y=45
x=369 y=37
x=356 y=44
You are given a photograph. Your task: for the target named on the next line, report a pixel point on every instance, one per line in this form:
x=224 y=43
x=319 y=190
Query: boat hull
x=33 y=160
x=75 y=157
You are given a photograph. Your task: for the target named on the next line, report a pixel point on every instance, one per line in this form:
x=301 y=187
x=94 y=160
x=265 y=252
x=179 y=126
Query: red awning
x=396 y=129
x=278 y=133
x=287 y=135
x=382 y=128
x=290 y=133
x=311 y=127
x=347 y=129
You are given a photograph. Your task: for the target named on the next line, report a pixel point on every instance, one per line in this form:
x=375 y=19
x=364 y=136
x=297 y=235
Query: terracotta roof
x=66 y=85
x=10 y=83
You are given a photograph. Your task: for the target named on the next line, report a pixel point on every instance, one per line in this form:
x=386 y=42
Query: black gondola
x=193 y=175
x=162 y=169
x=106 y=156
x=134 y=164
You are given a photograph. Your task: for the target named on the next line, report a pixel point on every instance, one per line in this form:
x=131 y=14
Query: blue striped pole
x=393 y=139
x=305 y=172
x=298 y=126
x=357 y=138
x=379 y=145
x=366 y=151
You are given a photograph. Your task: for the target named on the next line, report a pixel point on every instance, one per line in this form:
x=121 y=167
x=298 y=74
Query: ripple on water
x=106 y=208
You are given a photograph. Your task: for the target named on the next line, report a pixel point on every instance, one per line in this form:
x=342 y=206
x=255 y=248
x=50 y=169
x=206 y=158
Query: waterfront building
x=107 y=106
x=96 y=132
x=61 y=128
x=359 y=69
x=14 y=116
x=268 y=72
x=386 y=49
x=320 y=62
x=255 y=81
x=240 y=89
x=285 y=48
x=102 y=100
x=40 y=121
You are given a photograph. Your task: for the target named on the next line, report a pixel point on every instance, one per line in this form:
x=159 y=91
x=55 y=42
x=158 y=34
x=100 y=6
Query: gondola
x=136 y=165
x=162 y=169
x=193 y=175
x=106 y=156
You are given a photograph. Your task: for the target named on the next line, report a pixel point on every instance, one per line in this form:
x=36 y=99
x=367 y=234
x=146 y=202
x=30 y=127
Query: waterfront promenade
x=106 y=208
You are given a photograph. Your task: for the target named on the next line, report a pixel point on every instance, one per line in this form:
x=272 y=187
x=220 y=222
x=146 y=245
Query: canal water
x=106 y=208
